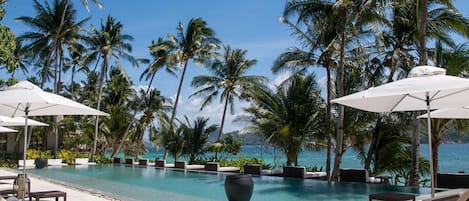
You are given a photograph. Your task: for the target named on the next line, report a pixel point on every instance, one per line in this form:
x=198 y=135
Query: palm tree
x=105 y=44
x=117 y=99
x=161 y=52
x=319 y=40
x=56 y=28
x=197 y=42
x=228 y=77
x=196 y=137
x=342 y=18
x=288 y=116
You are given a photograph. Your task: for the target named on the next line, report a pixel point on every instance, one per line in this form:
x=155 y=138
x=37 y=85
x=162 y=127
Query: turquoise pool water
x=136 y=183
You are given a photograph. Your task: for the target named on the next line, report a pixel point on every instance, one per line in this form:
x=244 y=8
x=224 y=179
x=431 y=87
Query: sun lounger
x=29 y=163
x=83 y=161
x=185 y=166
x=162 y=164
x=117 y=160
x=256 y=169
x=358 y=175
x=48 y=194
x=391 y=196
x=453 y=180
x=143 y=162
x=56 y=162
x=214 y=166
x=300 y=172
x=450 y=195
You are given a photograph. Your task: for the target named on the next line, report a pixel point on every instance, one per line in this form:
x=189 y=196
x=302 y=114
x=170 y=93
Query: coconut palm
x=55 y=28
x=196 y=136
x=196 y=42
x=161 y=52
x=117 y=100
x=343 y=19
x=318 y=41
x=287 y=116
x=106 y=44
x=228 y=78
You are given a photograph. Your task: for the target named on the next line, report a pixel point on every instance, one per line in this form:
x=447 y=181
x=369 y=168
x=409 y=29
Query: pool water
x=149 y=183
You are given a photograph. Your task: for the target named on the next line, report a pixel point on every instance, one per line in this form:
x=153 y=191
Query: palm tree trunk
x=328 y=119
x=127 y=128
x=98 y=107
x=173 y=115
x=340 y=93
x=373 y=144
x=220 y=132
x=422 y=50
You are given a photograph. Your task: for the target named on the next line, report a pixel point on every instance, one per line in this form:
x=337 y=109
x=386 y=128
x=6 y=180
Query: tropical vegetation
x=358 y=44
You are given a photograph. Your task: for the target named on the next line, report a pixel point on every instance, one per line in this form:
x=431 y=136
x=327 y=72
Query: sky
x=251 y=25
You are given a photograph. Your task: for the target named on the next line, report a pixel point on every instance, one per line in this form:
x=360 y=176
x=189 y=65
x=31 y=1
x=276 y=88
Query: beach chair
x=83 y=161
x=357 y=175
x=143 y=162
x=117 y=160
x=450 y=195
x=256 y=169
x=162 y=164
x=452 y=180
x=215 y=167
x=183 y=165
x=129 y=161
x=300 y=172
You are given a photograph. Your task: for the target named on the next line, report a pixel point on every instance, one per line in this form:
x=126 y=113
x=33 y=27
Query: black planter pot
x=239 y=187
x=40 y=162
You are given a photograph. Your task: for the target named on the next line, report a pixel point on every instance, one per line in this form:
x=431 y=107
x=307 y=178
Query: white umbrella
x=426 y=88
x=26 y=99
x=7 y=130
x=19 y=121
x=449 y=113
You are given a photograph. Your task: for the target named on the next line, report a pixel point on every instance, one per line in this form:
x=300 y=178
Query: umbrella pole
x=429 y=127
x=26 y=111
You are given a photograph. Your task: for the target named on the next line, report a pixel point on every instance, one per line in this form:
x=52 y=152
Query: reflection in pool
x=149 y=183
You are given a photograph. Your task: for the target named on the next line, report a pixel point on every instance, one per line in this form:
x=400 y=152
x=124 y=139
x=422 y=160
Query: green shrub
x=100 y=159
x=33 y=154
x=68 y=156
x=240 y=162
x=314 y=168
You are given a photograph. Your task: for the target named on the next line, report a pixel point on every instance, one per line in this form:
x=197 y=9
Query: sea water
x=452 y=157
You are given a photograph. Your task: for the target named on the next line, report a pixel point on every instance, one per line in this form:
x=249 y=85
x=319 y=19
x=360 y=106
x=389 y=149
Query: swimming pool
x=149 y=183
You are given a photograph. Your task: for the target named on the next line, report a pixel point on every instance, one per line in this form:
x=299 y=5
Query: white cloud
x=279 y=79
x=214 y=111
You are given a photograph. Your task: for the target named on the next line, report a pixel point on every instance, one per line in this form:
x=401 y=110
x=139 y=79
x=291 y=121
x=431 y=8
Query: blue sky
x=247 y=24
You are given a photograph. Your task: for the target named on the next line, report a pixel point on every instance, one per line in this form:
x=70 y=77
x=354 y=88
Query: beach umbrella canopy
x=426 y=88
x=19 y=121
x=25 y=99
x=7 y=130
x=448 y=113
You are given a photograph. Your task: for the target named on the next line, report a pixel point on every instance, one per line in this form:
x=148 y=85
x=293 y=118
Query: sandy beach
x=73 y=194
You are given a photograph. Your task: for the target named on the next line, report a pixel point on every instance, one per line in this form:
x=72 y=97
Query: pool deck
x=73 y=194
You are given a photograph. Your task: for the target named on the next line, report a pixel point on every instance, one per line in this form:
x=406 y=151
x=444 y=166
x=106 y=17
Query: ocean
x=452 y=157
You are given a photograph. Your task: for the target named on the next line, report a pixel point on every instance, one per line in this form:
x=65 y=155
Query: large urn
x=40 y=162
x=239 y=187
